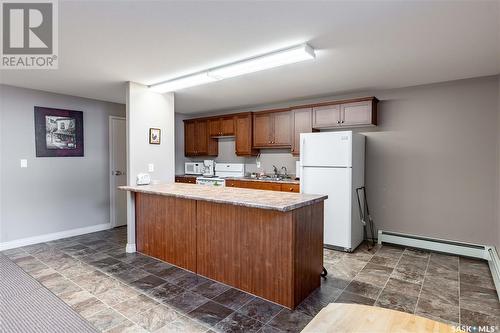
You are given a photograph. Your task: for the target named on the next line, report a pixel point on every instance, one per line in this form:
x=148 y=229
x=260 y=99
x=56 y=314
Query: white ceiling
x=360 y=46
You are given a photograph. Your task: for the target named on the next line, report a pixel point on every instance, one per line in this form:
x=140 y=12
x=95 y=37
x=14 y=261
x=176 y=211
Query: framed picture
x=154 y=136
x=58 y=132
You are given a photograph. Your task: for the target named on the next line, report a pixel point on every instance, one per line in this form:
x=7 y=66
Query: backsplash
x=267 y=158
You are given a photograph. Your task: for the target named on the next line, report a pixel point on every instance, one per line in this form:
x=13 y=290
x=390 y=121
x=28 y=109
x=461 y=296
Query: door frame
x=112 y=215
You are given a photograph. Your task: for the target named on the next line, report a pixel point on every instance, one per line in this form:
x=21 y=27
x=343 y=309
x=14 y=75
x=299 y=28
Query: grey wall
x=432 y=164
x=52 y=194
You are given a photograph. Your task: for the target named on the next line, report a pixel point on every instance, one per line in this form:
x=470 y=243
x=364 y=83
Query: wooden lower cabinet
x=272 y=254
x=166 y=229
x=185 y=179
x=263 y=185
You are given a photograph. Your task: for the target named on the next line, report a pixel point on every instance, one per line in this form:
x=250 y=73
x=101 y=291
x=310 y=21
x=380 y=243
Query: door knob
x=117 y=173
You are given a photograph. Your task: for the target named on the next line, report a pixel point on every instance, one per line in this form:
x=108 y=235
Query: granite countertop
x=269 y=180
x=274 y=200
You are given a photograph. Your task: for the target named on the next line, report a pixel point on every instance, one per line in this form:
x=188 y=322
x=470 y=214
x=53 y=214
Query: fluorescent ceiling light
x=270 y=60
x=182 y=82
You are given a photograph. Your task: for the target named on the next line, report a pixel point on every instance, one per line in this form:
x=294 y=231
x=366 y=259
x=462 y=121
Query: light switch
x=151 y=167
x=24 y=163
x=258 y=164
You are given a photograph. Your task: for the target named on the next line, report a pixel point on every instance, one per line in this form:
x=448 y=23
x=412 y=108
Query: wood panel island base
x=266 y=243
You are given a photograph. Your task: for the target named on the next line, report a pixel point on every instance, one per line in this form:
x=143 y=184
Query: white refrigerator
x=333 y=163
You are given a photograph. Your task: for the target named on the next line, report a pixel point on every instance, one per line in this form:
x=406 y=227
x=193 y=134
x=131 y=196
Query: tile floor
x=119 y=292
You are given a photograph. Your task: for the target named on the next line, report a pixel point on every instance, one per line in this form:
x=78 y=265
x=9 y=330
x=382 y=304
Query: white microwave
x=193 y=168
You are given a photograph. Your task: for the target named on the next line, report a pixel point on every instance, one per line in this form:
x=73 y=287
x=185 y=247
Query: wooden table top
x=355 y=318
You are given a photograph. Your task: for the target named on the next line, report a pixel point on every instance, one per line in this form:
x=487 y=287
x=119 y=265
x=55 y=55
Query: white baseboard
x=485 y=252
x=53 y=236
x=130 y=248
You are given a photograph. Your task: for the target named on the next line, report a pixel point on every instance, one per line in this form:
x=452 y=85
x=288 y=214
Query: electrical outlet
x=258 y=164
x=151 y=167
x=24 y=163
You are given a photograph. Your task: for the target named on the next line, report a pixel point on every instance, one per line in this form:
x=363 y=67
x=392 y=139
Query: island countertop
x=281 y=201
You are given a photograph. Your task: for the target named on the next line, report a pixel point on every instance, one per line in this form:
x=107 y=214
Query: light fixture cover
x=274 y=59
x=182 y=82
x=278 y=58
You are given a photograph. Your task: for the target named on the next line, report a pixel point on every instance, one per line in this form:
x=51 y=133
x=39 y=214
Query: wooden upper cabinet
x=358 y=113
x=189 y=138
x=272 y=129
x=326 y=116
x=243 y=135
x=348 y=113
x=201 y=137
x=223 y=126
x=227 y=125
x=282 y=128
x=197 y=141
x=262 y=128
x=302 y=123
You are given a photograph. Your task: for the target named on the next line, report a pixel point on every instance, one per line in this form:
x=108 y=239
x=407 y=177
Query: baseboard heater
x=484 y=252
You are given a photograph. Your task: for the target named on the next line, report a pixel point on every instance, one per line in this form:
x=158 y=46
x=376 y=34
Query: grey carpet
x=26 y=306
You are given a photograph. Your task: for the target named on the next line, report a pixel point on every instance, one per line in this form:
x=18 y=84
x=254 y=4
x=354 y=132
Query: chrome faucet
x=275 y=170
x=285 y=174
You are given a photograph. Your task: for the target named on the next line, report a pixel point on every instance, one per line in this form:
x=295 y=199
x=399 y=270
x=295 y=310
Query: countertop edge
x=243 y=204
x=245 y=179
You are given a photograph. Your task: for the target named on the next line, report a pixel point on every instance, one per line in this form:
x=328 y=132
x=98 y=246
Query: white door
x=336 y=183
x=118 y=168
x=326 y=149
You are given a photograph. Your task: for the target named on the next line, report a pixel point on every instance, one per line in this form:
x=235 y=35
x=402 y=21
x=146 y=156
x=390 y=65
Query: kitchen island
x=266 y=243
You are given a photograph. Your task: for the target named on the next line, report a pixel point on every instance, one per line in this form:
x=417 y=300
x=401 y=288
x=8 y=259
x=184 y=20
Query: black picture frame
x=64 y=138
x=152 y=141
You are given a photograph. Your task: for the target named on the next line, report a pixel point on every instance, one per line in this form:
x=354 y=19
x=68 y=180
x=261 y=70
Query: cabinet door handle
x=338 y=121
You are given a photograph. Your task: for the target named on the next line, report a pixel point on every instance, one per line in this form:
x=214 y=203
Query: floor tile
x=410 y=289
x=83 y=302
x=260 y=310
x=209 y=313
x=290 y=321
x=78 y=269
x=210 y=289
x=376 y=275
x=444 y=261
x=236 y=323
x=233 y=298
x=409 y=273
x=399 y=301
x=156 y=267
x=135 y=305
x=116 y=295
x=364 y=289
x=326 y=294
x=182 y=325
x=127 y=327
x=104 y=262
x=147 y=282
x=473 y=318
x=118 y=268
x=417 y=253
x=58 y=284
x=415 y=263
x=106 y=319
x=189 y=280
x=44 y=272
x=440 y=288
x=485 y=280
x=311 y=305
x=164 y=292
x=172 y=274
x=347 y=297
x=441 y=271
x=478 y=299
x=474 y=266
x=384 y=261
x=270 y=329
x=186 y=301
x=333 y=282
x=155 y=318
x=390 y=251
x=434 y=309
x=131 y=275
